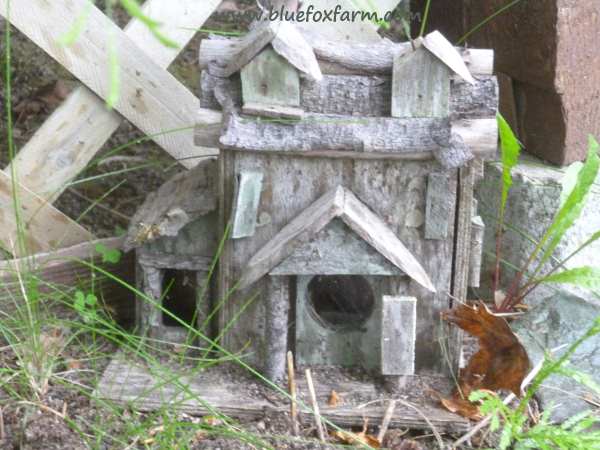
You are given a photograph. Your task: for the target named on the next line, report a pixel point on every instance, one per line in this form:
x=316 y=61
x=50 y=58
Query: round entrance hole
x=344 y=302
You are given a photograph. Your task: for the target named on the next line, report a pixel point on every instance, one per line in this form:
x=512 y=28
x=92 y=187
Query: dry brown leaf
x=501 y=361
x=347 y=437
x=73 y=364
x=334 y=399
x=462 y=407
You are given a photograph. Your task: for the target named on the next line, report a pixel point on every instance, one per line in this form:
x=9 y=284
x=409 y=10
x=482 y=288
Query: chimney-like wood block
x=398 y=335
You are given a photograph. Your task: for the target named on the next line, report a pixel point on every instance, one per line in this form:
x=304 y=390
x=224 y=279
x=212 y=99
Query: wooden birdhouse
x=344 y=190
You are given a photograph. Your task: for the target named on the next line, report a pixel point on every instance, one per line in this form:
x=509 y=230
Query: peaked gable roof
x=338 y=202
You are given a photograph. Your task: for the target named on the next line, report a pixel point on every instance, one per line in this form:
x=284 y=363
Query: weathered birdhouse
x=344 y=188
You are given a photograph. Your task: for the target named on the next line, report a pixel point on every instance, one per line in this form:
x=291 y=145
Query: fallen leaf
x=462 y=407
x=334 y=399
x=73 y=364
x=500 y=363
x=347 y=437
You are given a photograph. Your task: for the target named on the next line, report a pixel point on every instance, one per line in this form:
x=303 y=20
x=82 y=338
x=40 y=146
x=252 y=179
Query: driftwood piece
x=277 y=323
x=454 y=154
x=336 y=250
x=174 y=261
x=183 y=198
x=366 y=96
x=420 y=86
x=437 y=44
x=244 y=51
x=321 y=134
x=128 y=384
x=291 y=45
x=338 y=57
x=338 y=202
x=207 y=129
x=398 y=335
x=439 y=203
x=270 y=84
x=315 y=406
x=245 y=210
x=477 y=232
x=293 y=394
x=479 y=135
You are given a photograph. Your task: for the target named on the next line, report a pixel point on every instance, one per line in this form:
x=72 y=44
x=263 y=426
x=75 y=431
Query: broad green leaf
x=91 y=300
x=569 y=181
x=510 y=149
x=585 y=277
x=571 y=209
x=109 y=255
x=79 y=303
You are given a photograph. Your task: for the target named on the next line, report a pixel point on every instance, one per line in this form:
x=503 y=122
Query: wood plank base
x=133 y=384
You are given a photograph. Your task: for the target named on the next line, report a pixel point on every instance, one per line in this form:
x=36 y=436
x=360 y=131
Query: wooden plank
x=322 y=133
x=398 y=335
x=72 y=135
x=420 y=85
x=348 y=58
x=479 y=135
x=208 y=392
x=61 y=273
x=245 y=211
x=439 y=202
x=269 y=81
x=150 y=97
x=43 y=233
x=277 y=324
x=365 y=96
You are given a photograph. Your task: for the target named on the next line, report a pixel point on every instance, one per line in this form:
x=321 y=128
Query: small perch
x=389 y=412
x=292 y=387
x=315 y=406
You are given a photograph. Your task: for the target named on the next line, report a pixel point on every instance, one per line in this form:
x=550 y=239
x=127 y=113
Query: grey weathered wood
x=320 y=133
x=439 y=206
x=290 y=44
x=437 y=44
x=269 y=81
x=338 y=202
x=420 y=85
x=477 y=232
x=176 y=203
x=244 y=51
x=274 y=111
x=398 y=335
x=338 y=57
x=336 y=250
x=479 y=135
x=366 y=96
x=128 y=383
x=453 y=154
x=277 y=323
x=207 y=129
x=244 y=215
x=174 y=261
x=394 y=190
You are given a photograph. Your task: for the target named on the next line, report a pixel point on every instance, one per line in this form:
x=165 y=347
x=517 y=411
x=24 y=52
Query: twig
x=292 y=386
x=315 y=406
x=509 y=398
x=435 y=432
x=389 y=412
x=2 y=434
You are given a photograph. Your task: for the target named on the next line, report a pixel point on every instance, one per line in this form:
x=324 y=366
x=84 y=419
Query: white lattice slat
x=72 y=135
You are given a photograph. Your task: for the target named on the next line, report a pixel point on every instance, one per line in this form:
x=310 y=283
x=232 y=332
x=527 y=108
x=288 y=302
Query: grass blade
x=586 y=276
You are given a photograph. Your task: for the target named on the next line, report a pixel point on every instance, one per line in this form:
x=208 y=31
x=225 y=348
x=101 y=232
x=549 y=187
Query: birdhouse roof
x=343 y=204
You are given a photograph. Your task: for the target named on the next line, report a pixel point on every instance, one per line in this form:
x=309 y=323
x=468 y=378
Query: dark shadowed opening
x=341 y=301
x=180 y=299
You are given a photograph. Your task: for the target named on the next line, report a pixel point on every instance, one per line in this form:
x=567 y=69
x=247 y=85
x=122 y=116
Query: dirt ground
x=65 y=417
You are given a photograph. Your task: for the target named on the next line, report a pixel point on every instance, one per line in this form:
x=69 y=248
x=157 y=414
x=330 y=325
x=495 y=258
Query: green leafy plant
x=575 y=192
